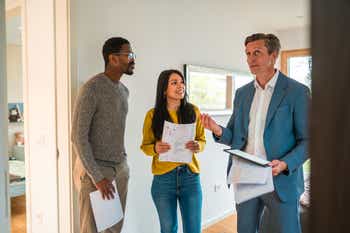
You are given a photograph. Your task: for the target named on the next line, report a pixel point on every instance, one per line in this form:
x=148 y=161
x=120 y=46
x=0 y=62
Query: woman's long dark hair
x=185 y=113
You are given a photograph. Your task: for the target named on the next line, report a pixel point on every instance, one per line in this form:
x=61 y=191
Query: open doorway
x=46 y=117
x=15 y=103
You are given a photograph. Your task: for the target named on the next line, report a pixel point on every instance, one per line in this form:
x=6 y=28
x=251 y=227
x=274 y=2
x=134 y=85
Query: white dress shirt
x=257 y=117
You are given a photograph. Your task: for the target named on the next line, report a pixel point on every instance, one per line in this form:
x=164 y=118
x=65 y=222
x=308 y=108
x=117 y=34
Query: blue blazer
x=286 y=131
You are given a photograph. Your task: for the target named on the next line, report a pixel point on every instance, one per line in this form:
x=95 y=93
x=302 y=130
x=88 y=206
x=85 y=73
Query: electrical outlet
x=39 y=217
x=217 y=187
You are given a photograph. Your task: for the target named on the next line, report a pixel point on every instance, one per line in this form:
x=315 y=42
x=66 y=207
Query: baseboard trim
x=217 y=219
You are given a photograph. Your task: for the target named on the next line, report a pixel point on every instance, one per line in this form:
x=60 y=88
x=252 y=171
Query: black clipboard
x=248 y=157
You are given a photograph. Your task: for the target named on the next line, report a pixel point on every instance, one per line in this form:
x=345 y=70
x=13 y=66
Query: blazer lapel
x=247 y=105
x=277 y=96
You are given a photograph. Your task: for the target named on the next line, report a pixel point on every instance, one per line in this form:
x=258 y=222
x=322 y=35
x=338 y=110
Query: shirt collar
x=270 y=85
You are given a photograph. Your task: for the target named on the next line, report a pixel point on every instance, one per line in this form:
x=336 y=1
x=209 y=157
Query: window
x=212 y=89
x=297 y=64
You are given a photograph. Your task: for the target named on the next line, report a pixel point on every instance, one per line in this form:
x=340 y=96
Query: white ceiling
x=267 y=15
x=275 y=15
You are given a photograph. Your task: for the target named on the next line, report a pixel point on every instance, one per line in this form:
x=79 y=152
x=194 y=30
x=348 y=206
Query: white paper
x=106 y=212
x=177 y=135
x=245 y=192
x=244 y=172
x=249 y=180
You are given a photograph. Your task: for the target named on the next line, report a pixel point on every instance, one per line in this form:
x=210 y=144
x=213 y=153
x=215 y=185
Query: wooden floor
x=18 y=221
x=227 y=225
x=18 y=214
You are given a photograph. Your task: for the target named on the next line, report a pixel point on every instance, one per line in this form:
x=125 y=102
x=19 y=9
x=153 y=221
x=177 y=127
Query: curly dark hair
x=112 y=45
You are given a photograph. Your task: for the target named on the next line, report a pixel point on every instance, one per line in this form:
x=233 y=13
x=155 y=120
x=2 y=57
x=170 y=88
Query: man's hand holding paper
x=107 y=212
x=278 y=166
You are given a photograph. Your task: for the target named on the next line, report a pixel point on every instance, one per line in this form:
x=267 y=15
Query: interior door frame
x=64 y=100
x=56 y=53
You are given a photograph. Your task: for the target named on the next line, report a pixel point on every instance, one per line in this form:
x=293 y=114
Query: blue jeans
x=182 y=185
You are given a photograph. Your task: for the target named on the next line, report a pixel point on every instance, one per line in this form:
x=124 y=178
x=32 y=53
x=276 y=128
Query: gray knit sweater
x=99 y=124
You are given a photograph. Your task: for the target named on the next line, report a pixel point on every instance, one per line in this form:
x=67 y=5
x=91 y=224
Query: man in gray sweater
x=98 y=133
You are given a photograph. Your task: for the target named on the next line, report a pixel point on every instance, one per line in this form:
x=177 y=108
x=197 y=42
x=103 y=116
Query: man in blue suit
x=269 y=120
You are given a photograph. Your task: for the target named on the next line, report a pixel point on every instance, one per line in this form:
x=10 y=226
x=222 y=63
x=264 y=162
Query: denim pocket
x=190 y=172
x=166 y=177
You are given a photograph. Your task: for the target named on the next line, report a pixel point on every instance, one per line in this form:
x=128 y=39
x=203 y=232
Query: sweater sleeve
x=200 y=132
x=84 y=111
x=148 y=139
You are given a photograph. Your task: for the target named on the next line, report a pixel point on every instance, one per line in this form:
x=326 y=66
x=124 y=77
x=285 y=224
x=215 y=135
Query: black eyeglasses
x=131 y=55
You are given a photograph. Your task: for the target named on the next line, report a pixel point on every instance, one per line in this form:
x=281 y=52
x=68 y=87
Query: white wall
x=294 y=38
x=164 y=34
x=13 y=25
x=14 y=73
x=14 y=86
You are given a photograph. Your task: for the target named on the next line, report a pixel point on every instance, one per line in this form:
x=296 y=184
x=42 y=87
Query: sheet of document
x=106 y=212
x=245 y=192
x=177 y=135
x=245 y=172
x=249 y=179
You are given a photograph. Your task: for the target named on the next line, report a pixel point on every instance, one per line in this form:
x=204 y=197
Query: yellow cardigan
x=149 y=141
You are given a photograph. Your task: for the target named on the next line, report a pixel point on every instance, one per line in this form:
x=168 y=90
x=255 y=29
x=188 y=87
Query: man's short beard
x=129 y=72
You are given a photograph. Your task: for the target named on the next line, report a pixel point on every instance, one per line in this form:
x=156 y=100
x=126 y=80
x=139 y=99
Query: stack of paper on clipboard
x=250 y=175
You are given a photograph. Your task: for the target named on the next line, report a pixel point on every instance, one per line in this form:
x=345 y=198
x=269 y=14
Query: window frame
x=231 y=85
x=210 y=70
x=286 y=54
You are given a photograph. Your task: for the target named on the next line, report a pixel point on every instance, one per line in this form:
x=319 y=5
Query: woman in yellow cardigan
x=174 y=182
